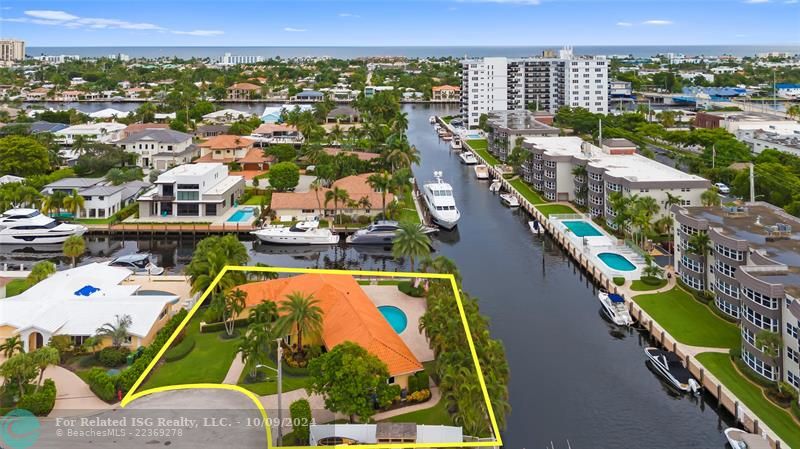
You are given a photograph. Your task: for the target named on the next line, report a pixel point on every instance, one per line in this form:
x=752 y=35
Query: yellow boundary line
x=132 y=394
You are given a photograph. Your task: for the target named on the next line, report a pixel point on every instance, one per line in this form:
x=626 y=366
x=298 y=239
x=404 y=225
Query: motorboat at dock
x=670 y=367
x=614 y=308
x=301 y=233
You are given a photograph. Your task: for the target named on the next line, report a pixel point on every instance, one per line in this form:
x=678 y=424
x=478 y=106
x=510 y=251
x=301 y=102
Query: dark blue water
x=574 y=376
x=411 y=52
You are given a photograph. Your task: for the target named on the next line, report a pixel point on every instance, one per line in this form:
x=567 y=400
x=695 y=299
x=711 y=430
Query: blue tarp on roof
x=615 y=297
x=86 y=290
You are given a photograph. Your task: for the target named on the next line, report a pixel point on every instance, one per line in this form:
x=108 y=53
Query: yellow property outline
x=130 y=395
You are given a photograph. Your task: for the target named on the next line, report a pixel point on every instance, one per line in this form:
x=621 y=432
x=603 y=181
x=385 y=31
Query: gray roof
x=74 y=183
x=343 y=110
x=190 y=149
x=211 y=128
x=158 y=135
x=101 y=190
x=46 y=127
x=310 y=93
x=132 y=189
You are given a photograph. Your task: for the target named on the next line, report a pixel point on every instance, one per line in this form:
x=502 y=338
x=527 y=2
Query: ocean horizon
x=351 y=52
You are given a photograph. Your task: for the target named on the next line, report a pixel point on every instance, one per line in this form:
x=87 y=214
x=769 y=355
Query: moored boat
x=439 y=199
x=301 y=233
x=468 y=158
x=481 y=171
x=739 y=439
x=455 y=144
x=495 y=186
x=31 y=227
x=432 y=119
x=669 y=366
x=535 y=227
x=614 y=308
x=381 y=232
x=509 y=200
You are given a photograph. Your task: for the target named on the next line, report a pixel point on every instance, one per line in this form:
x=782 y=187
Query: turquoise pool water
x=582 y=228
x=616 y=261
x=244 y=214
x=396 y=317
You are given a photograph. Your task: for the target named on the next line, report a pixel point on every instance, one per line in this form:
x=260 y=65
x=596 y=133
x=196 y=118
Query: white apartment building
x=160 y=148
x=192 y=190
x=11 y=50
x=229 y=59
x=614 y=167
x=97 y=132
x=57 y=59
x=543 y=83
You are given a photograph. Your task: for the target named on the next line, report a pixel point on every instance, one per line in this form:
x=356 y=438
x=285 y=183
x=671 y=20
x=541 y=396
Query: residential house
x=109 y=114
x=348 y=314
x=226 y=116
x=160 y=148
x=385 y=433
x=309 y=96
x=446 y=93
x=207 y=131
x=272 y=114
x=306 y=205
x=372 y=90
x=243 y=91
x=229 y=149
x=102 y=201
x=96 y=132
x=192 y=190
x=78 y=301
x=275 y=133
x=68 y=185
x=138 y=127
x=69 y=95
x=41 y=126
x=342 y=114
x=38 y=94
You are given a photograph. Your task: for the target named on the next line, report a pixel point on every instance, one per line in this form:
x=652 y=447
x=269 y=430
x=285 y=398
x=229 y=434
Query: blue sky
x=399 y=22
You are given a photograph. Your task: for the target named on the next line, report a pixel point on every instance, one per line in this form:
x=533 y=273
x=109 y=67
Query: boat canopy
x=616 y=298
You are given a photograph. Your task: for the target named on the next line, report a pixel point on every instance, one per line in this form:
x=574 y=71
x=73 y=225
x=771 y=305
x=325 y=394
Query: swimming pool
x=396 y=317
x=243 y=214
x=616 y=261
x=582 y=228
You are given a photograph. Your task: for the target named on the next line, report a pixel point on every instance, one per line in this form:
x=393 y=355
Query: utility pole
x=714 y=156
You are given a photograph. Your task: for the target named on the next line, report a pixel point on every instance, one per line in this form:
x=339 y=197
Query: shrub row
x=180 y=350
x=650 y=280
x=102 y=384
x=418 y=381
x=41 y=402
x=132 y=374
x=408 y=288
x=419 y=396
x=112 y=357
x=300 y=411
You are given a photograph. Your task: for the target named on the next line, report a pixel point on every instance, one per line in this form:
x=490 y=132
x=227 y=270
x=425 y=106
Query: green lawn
x=16 y=286
x=447 y=119
x=551 y=209
x=751 y=395
x=526 y=191
x=290 y=383
x=689 y=321
x=436 y=415
x=208 y=362
x=408 y=212
x=254 y=200
x=106 y=220
x=640 y=286
x=480 y=146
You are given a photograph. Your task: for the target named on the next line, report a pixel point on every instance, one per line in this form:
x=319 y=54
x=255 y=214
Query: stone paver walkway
x=73 y=396
x=235 y=371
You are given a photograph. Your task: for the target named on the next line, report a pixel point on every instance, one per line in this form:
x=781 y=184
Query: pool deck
x=414 y=308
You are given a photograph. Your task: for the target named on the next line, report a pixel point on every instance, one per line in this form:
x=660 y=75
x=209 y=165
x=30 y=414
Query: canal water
x=574 y=377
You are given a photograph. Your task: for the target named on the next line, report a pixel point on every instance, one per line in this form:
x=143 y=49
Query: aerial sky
x=399 y=22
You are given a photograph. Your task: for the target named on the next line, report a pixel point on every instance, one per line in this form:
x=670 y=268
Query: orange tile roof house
x=275 y=133
x=242 y=91
x=309 y=204
x=227 y=148
x=347 y=315
x=445 y=93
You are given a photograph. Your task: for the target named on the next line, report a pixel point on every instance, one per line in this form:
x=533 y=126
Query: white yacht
x=29 y=226
x=481 y=171
x=535 y=227
x=614 y=308
x=739 y=439
x=455 y=144
x=468 y=158
x=432 y=119
x=301 y=233
x=440 y=202
x=495 y=186
x=509 y=200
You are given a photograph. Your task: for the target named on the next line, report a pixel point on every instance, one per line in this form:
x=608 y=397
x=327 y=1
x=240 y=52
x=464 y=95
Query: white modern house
x=192 y=190
x=101 y=199
x=78 y=301
x=109 y=113
x=97 y=132
x=160 y=148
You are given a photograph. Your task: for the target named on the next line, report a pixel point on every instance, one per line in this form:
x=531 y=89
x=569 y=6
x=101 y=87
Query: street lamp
x=279 y=370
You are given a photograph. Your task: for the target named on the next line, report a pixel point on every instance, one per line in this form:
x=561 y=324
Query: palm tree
x=335 y=135
x=652 y=270
x=11 y=346
x=118 y=331
x=74 y=247
x=400 y=122
x=54 y=202
x=42 y=358
x=412 y=242
x=441 y=264
x=644 y=208
x=81 y=144
x=770 y=343
x=254 y=347
x=316 y=186
x=74 y=203
x=700 y=244
x=672 y=200
x=336 y=195
x=301 y=312
x=234 y=304
x=710 y=197
x=384 y=183
x=263 y=313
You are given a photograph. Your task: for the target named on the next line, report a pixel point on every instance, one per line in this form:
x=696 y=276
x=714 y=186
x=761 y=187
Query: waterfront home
x=67 y=185
x=38 y=94
x=101 y=199
x=41 y=126
x=372 y=90
x=348 y=314
x=309 y=96
x=78 y=301
x=229 y=149
x=446 y=93
x=69 y=95
x=361 y=155
x=613 y=167
x=342 y=114
x=383 y=433
x=752 y=269
x=242 y=91
x=276 y=133
x=164 y=117
x=272 y=114
x=137 y=92
x=138 y=127
x=226 y=116
x=192 y=190
x=109 y=114
x=364 y=200
x=96 y=132
x=160 y=148
x=506 y=127
x=206 y=131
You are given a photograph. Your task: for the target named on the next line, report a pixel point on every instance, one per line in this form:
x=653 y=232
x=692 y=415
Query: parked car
x=138 y=263
x=722 y=188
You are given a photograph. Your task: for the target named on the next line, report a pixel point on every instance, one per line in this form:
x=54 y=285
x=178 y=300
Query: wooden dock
x=170 y=228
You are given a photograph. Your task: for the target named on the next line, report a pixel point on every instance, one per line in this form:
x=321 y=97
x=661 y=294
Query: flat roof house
x=348 y=314
x=753 y=271
x=160 y=148
x=192 y=190
x=77 y=301
x=206 y=131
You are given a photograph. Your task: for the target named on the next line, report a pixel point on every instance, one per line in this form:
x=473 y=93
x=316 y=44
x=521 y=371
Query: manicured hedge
x=619 y=280
x=113 y=357
x=417 y=382
x=132 y=374
x=408 y=288
x=102 y=384
x=300 y=411
x=180 y=350
x=41 y=402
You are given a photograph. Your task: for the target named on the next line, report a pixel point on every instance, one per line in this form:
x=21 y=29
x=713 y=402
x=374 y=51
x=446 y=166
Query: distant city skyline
x=43 y=23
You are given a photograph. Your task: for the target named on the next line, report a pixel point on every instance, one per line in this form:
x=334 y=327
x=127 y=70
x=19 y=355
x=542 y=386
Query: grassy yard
x=254 y=200
x=640 y=286
x=526 y=191
x=208 y=362
x=16 y=287
x=436 y=415
x=751 y=395
x=408 y=212
x=689 y=321
x=270 y=386
x=106 y=220
x=551 y=209
x=480 y=146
